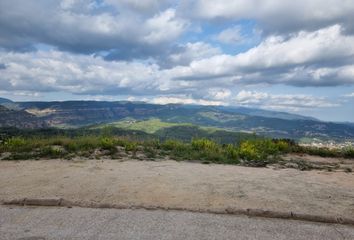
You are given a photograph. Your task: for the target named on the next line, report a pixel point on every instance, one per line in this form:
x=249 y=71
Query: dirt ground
x=308 y=162
x=171 y=184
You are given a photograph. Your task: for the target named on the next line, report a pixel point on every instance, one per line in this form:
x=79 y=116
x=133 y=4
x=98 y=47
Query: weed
x=17 y=144
x=255 y=152
x=131 y=146
x=348 y=152
x=150 y=152
x=109 y=144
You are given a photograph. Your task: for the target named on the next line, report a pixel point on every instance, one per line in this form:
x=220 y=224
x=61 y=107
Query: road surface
x=44 y=223
x=180 y=185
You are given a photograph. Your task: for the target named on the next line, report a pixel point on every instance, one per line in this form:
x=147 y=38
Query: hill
x=4 y=100
x=266 y=113
x=19 y=119
x=181 y=131
x=268 y=123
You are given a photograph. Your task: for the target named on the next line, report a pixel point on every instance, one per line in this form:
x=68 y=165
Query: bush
x=152 y=144
x=204 y=145
x=107 y=143
x=84 y=143
x=254 y=152
x=284 y=145
x=323 y=152
x=18 y=144
x=130 y=146
x=57 y=140
x=51 y=152
x=348 y=152
x=20 y=156
x=150 y=152
x=171 y=145
x=248 y=151
x=262 y=150
x=232 y=154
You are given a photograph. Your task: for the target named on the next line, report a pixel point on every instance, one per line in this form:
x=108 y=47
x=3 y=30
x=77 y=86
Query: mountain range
x=73 y=114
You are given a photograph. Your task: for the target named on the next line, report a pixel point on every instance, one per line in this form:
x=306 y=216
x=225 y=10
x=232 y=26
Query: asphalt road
x=29 y=223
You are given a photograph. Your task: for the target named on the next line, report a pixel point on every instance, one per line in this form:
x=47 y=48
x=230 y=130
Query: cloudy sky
x=295 y=56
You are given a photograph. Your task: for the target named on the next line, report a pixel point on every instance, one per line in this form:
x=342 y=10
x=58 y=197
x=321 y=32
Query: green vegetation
x=221 y=117
x=347 y=152
x=177 y=142
x=149 y=126
x=155 y=125
x=201 y=150
x=78 y=114
x=157 y=129
x=64 y=147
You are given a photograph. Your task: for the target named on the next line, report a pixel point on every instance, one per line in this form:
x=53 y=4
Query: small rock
x=291 y=165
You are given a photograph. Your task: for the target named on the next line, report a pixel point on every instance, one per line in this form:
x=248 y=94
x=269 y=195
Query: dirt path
x=180 y=185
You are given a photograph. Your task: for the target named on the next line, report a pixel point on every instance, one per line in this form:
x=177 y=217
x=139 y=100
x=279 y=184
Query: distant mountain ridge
x=269 y=123
x=4 y=100
x=268 y=113
x=19 y=119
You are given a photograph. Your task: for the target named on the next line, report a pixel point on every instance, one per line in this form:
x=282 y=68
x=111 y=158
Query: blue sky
x=294 y=56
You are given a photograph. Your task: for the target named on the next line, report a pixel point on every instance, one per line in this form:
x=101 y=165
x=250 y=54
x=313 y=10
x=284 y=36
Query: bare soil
x=309 y=162
x=171 y=184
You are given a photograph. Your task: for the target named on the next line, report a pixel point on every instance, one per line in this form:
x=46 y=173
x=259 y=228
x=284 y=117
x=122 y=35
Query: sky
x=293 y=56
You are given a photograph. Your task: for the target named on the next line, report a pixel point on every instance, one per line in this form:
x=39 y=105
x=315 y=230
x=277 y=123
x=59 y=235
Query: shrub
x=323 y=152
x=201 y=149
x=130 y=146
x=18 y=144
x=57 y=140
x=51 y=152
x=83 y=143
x=182 y=151
x=255 y=152
x=262 y=150
x=248 y=151
x=283 y=145
x=348 y=152
x=152 y=144
x=232 y=153
x=150 y=152
x=20 y=156
x=107 y=143
x=204 y=144
x=171 y=144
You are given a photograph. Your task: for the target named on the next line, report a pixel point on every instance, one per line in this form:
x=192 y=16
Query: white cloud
x=79 y=27
x=231 y=35
x=278 y=15
x=147 y=6
x=349 y=95
x=292 y=102
x=304 y=47
x=184 y=100
x=22 y=93
x=111 y=49
x=219 y=93
x=192 y=52
x=164 y=27
x=45 y=71
x=79 y=74
x=306 y=58
x=248 y=97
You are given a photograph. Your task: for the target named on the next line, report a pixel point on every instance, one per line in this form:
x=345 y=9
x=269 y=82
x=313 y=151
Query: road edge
x=60 y=202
